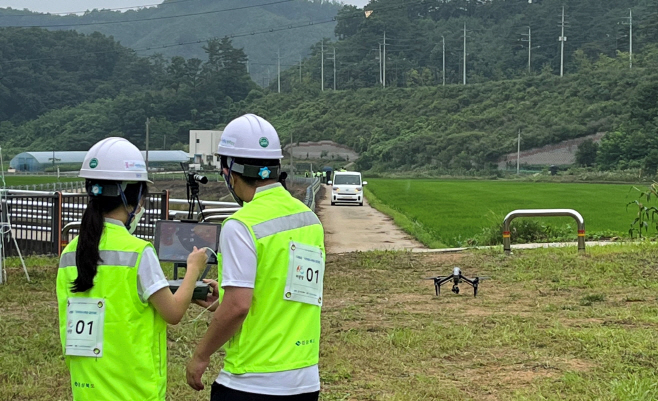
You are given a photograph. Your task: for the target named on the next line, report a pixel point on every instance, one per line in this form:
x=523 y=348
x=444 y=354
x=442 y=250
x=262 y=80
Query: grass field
x=14 y=180
x=549 y=325
x=451 y=212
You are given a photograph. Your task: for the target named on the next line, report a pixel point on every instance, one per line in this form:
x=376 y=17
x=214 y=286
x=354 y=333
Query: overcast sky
x=62 y=6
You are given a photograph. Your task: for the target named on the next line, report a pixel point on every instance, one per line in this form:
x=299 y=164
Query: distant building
x=203 y=146
x=39 y=161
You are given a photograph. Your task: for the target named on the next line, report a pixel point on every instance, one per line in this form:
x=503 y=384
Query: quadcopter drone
x=456 y=279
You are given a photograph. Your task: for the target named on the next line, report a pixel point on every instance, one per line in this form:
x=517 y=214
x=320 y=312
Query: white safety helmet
x=250 y=137
x=114 y=159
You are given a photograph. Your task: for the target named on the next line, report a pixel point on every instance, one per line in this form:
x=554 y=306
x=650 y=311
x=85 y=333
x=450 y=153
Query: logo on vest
x=304 y=342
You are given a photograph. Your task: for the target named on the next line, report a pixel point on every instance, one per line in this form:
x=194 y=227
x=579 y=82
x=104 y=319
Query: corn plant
x=646 y=215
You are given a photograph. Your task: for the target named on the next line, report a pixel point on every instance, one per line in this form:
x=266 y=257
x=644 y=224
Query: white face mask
x=136 y=219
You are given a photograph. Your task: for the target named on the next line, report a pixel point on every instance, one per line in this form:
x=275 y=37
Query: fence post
x=56 y=223
x=164 y=206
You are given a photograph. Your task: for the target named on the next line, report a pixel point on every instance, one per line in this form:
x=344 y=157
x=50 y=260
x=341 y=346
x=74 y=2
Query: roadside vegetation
x=549 y=325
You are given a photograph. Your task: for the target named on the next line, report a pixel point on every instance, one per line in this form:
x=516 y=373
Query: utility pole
x=518 y=154
x=630 y=38
x=380 y=63
x=148 y=121
x=247 y=64
x=300 y=68
x=384 y=62
x=529 y=35
x=464 y=53
x=164 y=143
x=322 y=65
x=333 y=59
x=334 y=69
x=444 y=60
x=292 y=164
x=278 y=69
x=562 y=40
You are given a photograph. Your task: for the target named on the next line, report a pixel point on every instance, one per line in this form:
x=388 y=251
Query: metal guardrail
x=311 y=192
x=45 y=221
x=543 y=213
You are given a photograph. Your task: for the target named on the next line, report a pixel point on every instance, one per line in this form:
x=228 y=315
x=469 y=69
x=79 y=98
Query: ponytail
x=87 y=254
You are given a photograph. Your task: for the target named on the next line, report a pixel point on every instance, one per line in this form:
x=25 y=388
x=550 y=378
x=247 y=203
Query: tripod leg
x=198 y=201
x=3 y=273
x=27 y=275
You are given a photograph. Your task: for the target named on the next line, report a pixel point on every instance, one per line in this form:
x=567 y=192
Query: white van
x=347 y=187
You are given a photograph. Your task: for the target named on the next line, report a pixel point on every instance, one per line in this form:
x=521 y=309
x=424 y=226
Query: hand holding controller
x=196 y=261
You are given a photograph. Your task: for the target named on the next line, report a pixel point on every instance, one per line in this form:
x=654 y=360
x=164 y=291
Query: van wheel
x=361 y=204
x=333 y=203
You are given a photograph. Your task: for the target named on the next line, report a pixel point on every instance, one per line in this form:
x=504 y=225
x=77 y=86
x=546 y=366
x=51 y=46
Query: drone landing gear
x=456 y=279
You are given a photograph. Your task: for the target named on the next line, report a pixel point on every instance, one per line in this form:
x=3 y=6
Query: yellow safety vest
x=277 y=334
x=133 y=365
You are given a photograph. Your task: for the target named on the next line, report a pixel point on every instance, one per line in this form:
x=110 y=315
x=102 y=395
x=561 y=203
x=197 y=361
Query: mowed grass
x=453 y=211
x=548 y=325
x=15 y=180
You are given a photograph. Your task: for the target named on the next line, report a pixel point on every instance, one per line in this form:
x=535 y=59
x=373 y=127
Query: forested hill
x=42 y=71
x=293 y=23
x=469 y=127
x=498 y=34
x=64 y=90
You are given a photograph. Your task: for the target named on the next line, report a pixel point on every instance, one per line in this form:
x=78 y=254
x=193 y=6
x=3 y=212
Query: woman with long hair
x=114 y=300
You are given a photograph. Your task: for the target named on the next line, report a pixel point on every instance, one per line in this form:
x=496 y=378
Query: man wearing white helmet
x=114 y=300
x=271 y=275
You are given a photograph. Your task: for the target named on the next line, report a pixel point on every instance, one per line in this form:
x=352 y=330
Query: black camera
x=201 y=179
x=192 y=178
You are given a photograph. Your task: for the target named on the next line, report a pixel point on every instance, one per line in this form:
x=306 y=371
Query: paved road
x=350 y=228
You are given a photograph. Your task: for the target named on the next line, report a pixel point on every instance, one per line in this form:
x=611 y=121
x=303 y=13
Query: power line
x=233 y=35
x=63 y=13
x=150 y=19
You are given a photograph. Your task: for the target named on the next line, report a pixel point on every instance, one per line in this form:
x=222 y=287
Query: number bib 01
x=305 y=274
x=85 y=318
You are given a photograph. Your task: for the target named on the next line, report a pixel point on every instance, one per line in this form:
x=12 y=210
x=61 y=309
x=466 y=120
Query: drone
x=456 y=277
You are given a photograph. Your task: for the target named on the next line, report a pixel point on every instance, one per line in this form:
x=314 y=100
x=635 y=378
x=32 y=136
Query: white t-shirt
x=239 y=270
x=150 y=277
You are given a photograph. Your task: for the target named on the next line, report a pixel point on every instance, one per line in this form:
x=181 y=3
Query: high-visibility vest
x=277 y=334
x=133 y=365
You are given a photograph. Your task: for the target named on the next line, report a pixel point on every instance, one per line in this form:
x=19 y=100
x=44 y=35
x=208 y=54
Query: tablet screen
x=174 y=240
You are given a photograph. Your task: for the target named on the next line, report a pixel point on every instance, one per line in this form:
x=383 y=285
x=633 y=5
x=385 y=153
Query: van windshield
x=347 y=179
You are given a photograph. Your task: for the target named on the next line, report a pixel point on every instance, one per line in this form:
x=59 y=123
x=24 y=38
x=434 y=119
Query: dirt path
x=350 y=228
